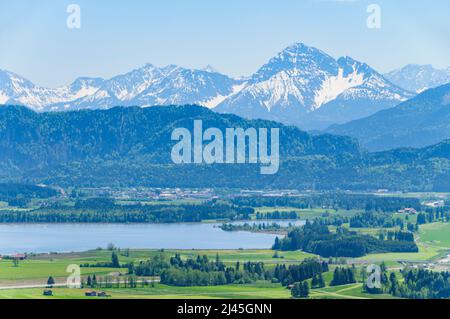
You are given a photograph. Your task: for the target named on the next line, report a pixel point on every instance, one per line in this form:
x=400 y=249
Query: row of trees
x=277 y=215
x=431 y=215
x=105 y=210
x=343 y=276
x=334 y=200
x=307 y=269
x=254 y=227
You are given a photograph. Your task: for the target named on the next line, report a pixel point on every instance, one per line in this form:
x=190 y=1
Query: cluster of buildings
x=410 y=211
x=435 y=204
x=270 y=193
x=14 y=256
x=178 y=193
x=89 y=293
x=149 y=193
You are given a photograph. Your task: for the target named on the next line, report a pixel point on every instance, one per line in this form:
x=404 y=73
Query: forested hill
x=131 y=146
x=421 y=121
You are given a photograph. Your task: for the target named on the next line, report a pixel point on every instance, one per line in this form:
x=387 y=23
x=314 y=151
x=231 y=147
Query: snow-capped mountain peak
x=209 y=68
x=418 y=78
x=300 y=80
x=18 y=90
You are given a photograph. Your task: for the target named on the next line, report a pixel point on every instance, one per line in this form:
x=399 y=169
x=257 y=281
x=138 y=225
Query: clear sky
x=234 y=36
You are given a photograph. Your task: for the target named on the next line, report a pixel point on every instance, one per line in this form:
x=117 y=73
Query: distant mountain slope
x=305 y=86
x=421 y=121
x=418 y=78
x=15 y=89
x=146 y=86
x=131 y=147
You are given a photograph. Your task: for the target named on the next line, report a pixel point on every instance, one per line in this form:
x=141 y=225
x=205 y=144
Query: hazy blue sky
x=235 y=36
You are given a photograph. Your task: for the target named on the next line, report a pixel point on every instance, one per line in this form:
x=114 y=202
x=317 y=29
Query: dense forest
x=20 y=194
x=317 y=239
x=89 y=148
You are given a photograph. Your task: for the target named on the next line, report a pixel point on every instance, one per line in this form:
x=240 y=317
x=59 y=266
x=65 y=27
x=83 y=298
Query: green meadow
x=435 y=234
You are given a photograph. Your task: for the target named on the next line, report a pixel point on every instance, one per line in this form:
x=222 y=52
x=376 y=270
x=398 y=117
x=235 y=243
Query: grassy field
x=257 y=290
x=435 y=234
x=36 y=269
x=425 y=253
x=261 y=290
x=227 y=256
x=352 y=291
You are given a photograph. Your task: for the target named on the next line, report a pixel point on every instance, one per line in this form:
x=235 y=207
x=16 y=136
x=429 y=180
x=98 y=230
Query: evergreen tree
x=300 y=290
x=321 y=281
x=393 y=289
x=305 y=289
x=115 y=260
x=50 y=282
x=314 y=281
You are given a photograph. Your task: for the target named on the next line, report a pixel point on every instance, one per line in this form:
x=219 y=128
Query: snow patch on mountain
x=333 y=86
x=3 y=98
x=212 y=103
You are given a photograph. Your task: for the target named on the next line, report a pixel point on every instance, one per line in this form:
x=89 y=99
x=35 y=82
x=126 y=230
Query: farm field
x=249 y=291
x=36 y=270
x=41 y=269
x=425 y=253
x=435 y=234
x=257 y=290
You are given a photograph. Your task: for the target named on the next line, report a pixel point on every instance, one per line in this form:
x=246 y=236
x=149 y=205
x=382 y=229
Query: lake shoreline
x=63 y=237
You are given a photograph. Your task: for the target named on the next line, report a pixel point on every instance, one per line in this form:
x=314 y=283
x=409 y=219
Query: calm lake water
x=43 y=238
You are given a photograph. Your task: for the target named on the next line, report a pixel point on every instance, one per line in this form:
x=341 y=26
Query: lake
x=43 y=238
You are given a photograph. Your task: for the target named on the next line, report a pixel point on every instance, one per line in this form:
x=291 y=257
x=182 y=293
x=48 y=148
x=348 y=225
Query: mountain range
x=301 y=85
x=146 y=86
x=131 y=146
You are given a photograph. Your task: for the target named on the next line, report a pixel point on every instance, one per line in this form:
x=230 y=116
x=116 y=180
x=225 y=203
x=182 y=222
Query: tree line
x=333 y=200
x=106 y=211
